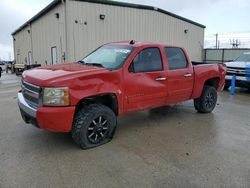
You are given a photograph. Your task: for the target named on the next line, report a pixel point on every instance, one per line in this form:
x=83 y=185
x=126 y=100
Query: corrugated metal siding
x=122 y=23
x=49 y=32
x=45 y=33
x=22 y=44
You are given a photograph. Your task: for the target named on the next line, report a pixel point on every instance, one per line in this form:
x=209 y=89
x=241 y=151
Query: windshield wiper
x=95 y=64
x=81 y=61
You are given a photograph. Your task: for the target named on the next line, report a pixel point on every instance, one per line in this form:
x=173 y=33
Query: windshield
x=243 y=57
x=108 y=56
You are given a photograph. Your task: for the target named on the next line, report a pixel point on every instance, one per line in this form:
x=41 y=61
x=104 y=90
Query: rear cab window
x=176 y=58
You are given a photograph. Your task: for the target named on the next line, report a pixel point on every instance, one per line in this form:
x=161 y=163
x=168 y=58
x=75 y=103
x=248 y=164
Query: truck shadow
x=167 y=117
x=164 y=118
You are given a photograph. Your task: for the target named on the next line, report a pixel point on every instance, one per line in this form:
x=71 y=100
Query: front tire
x=93 y=126
x=207 y=101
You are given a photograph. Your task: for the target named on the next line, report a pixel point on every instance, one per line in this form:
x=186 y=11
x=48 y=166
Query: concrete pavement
x=166 y=147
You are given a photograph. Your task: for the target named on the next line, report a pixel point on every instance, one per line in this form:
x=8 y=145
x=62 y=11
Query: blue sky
x=228 y=18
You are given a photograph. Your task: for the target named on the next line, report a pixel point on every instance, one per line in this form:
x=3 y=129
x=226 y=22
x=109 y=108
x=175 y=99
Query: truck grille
x=237 y=71
x=31 y=94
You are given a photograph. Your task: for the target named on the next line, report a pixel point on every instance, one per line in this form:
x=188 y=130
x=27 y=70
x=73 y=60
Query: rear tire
x=207 y=101
x=93 y=126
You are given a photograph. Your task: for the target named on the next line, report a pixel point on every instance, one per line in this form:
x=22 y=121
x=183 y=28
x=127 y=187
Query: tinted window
x=148 y=60
x=176 y=58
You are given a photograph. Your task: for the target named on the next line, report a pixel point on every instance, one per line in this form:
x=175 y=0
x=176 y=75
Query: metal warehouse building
x=67 y=30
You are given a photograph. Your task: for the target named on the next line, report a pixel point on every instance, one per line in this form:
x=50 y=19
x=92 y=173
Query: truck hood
x=238 y=64
x=50 y=75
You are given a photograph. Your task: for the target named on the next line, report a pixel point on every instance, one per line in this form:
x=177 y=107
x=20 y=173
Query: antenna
x=132 y=42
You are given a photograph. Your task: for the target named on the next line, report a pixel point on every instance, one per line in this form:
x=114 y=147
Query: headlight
x=56 y=96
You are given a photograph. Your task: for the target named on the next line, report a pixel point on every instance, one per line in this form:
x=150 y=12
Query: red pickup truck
x=85 y=97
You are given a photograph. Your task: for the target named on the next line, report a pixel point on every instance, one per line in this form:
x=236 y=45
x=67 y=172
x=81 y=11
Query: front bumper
x=56 y=119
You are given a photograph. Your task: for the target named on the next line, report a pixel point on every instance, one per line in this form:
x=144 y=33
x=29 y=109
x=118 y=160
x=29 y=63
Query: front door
x=145 y=82
x=180 y=76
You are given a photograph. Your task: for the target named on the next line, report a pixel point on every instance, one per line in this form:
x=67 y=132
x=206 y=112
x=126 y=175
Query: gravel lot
x=167 y=147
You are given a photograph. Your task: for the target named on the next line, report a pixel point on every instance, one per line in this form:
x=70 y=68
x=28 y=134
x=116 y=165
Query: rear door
x=180 y=75
x=145 y=81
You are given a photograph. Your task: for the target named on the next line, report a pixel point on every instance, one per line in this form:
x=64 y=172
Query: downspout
x=31 y=41
x=64 y=2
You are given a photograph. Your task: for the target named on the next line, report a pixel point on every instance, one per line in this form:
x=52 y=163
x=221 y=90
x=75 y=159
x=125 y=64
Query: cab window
x=176 y=58
x=148 y=60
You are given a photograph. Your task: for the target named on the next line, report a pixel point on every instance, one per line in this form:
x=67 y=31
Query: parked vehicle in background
x=18 y=68
x=2 y=67
x=9 y=67
x=1 y=70
x=85 y=97
x=241 y=68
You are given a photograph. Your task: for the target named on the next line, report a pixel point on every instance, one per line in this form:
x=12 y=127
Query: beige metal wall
x=45 y=33
x=22 y=45
x=122 y=23
x=84 y=31
x=48 y=32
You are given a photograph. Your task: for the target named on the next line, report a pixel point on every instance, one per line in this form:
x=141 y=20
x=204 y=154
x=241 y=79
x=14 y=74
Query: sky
x=228 y=18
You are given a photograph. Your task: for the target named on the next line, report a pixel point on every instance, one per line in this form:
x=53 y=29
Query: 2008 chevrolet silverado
x=85 y=97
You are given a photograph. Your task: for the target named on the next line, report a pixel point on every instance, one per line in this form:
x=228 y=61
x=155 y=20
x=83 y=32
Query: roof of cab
x=139 y=44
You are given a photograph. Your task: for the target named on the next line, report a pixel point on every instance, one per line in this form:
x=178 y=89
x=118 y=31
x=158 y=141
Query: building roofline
x=38 y=15
x=145 y=7
x=106 y=2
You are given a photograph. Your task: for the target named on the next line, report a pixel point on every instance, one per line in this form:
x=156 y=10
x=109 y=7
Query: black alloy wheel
x=207 y=101
x=94 y=125
x=98 y=130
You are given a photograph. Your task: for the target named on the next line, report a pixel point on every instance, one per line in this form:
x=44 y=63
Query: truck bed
x=194 y=63
x=202 y=70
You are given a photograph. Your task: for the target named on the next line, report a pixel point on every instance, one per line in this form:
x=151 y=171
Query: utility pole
x=216 y=40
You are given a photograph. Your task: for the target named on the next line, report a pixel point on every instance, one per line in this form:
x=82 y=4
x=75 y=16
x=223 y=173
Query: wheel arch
x=214 y=82
x=199 y=85
x=108 y=99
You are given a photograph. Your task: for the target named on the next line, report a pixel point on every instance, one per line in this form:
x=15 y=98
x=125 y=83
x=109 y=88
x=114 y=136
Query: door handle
x=161 y=79
x=188 y=75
